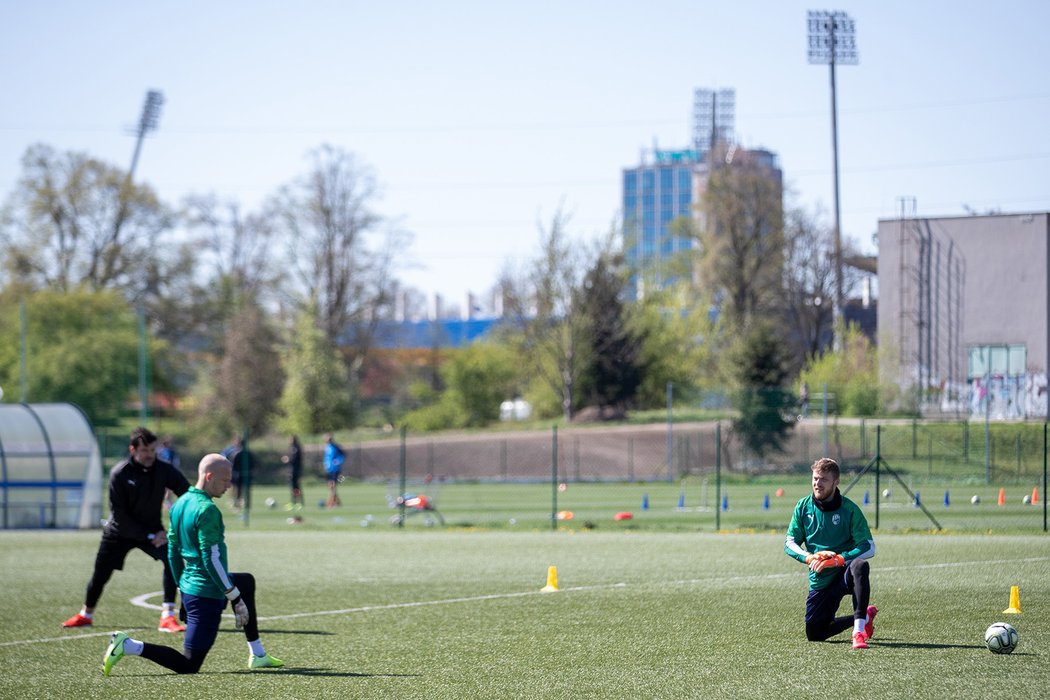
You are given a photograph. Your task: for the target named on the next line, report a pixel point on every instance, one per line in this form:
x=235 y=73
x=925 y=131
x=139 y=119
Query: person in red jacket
x=137 y=486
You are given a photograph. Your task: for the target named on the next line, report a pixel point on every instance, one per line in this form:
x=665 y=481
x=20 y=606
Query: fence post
x=718 y=476
x=1017 y=446
x=576 y=456
x=503 y=458
x=914 y=438
x=825 y=412
x=929 y=455
x=1044 y=477
x=630 y=459
x=966 y=442
x=863 y=440
x=670 y=431
x=402 y=469
x=554 y=477
x=878 y=464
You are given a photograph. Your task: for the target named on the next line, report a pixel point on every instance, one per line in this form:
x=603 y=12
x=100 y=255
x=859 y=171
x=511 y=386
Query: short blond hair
x=826 y=465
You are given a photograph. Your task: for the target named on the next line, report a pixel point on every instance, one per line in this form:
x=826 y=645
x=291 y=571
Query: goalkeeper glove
x=817 y=556
x=240 y=610
x=830 y=563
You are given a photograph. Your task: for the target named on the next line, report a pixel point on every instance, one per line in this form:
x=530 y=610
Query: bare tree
x=341 y=253
x=546 y=308
x=238 y=247
x=809 y=282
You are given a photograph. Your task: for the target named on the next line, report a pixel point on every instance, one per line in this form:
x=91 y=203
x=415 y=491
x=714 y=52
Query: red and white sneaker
x=869 y=627
x=858 y=641
x=168 y=623
x=78 y=620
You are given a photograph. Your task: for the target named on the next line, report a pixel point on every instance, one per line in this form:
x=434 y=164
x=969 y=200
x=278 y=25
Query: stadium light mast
x=833 y=40
x=147 y=123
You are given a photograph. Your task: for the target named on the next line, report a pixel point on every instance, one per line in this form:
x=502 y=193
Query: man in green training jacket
x=197 y=552
x=830 y=534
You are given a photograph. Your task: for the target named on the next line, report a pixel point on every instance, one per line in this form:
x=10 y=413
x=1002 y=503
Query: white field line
x=141 y=600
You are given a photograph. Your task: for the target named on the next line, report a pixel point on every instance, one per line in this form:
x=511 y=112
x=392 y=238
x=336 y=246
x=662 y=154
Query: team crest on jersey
x=835 y=519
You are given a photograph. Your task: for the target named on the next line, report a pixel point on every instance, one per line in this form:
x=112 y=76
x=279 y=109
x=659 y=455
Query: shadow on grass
x=318 y=633
x=916 y=645
x=323 y=673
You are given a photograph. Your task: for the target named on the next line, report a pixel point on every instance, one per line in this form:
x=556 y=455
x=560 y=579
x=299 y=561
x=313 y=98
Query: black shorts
x=822 y=605
x=112 y=552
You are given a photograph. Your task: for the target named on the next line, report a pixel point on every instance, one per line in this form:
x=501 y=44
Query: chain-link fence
x=906 y=474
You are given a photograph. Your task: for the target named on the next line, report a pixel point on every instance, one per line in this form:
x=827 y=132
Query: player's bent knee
x=859 y=567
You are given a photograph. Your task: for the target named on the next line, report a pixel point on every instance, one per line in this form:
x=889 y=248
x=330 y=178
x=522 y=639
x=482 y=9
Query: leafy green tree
x=317 y=394
x=247 y=379
x=851 y=374
x=82 y=348
x=742 y=239
x=680 y=342
x=478 y=379
x=75 y=221
x=758 y=364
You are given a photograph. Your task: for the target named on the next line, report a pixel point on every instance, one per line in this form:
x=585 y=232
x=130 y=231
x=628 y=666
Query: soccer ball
x=886 y=494
x=1027 y=500
x=271 y=502
x=1001 y=638
x=975 y=499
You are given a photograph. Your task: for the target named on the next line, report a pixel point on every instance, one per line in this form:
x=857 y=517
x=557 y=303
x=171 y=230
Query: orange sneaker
x=858 y=641
x=168 y=623
x=869 y=627
x=78 y=620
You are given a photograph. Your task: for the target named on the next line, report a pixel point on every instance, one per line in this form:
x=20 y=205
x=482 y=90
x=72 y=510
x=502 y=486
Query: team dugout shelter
x=50 y=467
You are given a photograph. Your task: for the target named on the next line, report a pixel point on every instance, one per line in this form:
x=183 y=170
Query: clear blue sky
x=481 y=118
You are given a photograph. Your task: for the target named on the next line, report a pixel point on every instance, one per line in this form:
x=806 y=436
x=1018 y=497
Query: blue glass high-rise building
x=655 y=193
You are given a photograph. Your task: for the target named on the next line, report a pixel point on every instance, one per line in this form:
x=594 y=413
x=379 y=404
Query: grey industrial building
x=964 y=312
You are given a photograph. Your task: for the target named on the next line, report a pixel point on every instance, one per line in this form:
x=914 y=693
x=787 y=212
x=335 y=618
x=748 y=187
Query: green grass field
x=377 y=612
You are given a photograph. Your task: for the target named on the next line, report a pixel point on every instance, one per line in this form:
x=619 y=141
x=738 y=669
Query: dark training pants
x=822 y=605
x=111 y=555
x=203 y=616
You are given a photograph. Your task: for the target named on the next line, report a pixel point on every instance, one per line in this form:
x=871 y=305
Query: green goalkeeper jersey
x=197 y=546
x=838 y=526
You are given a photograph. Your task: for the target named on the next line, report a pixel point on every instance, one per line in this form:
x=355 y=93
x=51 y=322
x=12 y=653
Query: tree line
x=267 y=319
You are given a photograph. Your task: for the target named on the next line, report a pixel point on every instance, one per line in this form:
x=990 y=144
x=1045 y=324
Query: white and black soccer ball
x=271 y=502
x=1001 y=638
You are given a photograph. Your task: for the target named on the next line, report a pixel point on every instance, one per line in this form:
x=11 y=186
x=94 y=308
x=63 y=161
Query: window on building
x=997 y=360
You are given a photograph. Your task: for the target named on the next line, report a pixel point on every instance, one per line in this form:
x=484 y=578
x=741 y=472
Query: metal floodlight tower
x=147 y=122
x=833 y=40
x=713 y=116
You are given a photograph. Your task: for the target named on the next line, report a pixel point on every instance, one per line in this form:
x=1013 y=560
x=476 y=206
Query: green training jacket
x=197 y=546
x=838 y=525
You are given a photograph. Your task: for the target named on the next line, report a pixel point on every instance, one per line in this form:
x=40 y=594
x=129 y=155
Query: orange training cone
x=552 y=580
x=1002 y=496
x=1035 y=495
x=1015 y=602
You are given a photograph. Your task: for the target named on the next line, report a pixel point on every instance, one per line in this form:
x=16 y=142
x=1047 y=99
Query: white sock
x=858 y=624
x=169 y=610
x=86 y=614
x=132 y=647
x=257 y=648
